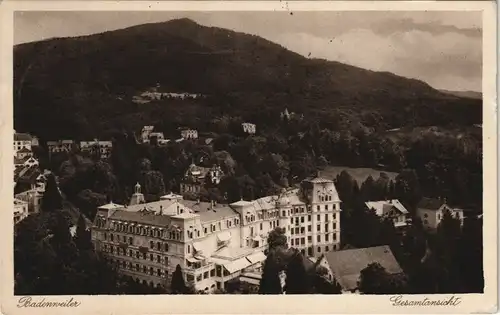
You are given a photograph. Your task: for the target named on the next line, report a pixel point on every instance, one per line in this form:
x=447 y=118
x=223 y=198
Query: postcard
x=214 y=157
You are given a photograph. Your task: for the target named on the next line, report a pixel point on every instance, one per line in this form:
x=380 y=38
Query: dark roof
x=430 y=203
x=20 y=161
x=31 y=174
x=346 y=265
x=207 y=213
x=24 y=150
x=17 y=171
x=141 y=217
x=22 y=137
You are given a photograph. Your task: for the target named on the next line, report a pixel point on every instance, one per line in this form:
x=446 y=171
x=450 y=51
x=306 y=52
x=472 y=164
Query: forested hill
x=468 y=94
x=84 y=86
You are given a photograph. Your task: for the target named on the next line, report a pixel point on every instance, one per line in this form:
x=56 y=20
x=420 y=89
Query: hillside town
x=211 y=246
x=177 y=157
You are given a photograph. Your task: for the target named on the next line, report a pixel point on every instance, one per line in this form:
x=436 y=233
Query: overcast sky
x=442 y=48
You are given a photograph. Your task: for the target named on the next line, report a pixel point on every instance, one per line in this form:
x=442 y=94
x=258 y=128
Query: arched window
x=166 y=247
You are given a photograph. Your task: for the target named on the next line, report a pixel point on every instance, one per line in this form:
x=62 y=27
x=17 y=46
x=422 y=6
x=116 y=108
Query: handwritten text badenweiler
x=27 y=301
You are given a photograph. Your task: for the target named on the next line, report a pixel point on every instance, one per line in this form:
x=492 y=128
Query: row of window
x=302 y=240
x=116 y=250
x=319 y=249
x=325 y=198
x=140 y=268
x=268 y=214
x=159 y=246
x=272 y=225
x=213 y=228
x=302 y=219
x=301 y=230
x=140 y=230
x=200 y=277
x=191 y=188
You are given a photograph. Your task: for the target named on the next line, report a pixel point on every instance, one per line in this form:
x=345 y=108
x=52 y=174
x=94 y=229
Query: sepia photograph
x=248 y=153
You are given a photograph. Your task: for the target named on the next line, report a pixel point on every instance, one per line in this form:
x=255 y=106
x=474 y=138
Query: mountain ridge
x=237 y=68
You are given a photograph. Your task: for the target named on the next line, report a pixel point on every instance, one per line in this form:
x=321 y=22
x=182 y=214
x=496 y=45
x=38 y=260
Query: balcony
x=197 y=266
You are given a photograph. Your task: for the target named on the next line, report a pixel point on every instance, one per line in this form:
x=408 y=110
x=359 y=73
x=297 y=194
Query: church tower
x=137 y=197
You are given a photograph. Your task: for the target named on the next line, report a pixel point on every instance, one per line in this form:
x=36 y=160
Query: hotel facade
x=214 y=243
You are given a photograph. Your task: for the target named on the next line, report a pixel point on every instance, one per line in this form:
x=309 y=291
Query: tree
x=51 y=200
x=178 y=286
x=407 y=189
x=368 y=189
x=320 y=283
x=470 y=259
x=374 y=279
x=82 y=237
x=446 y=251
x=275 y=165
x=152 y=184
x=277 y=238
x=47 y=261
x=344 y=183
x=88 y=201
x=270 y=282
x=297 y=279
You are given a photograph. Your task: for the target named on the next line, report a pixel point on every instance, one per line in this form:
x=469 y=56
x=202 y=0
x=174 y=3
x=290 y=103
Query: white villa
x=392 y=209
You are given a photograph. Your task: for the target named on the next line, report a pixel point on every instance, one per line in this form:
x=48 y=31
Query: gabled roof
x=208 y=213
x=22 y=137
x=18 y=161
x=19 y=202
x=379 y=206
x=430 y=203
x=319 y=180
x=111 y=205
x=31 y=173
x=155 y=206
x=346 y=265
x=197 y=170
x=24 y=150
x=241 y=203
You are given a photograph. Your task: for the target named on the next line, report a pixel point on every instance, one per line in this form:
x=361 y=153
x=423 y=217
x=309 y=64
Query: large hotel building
x=214 y=243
